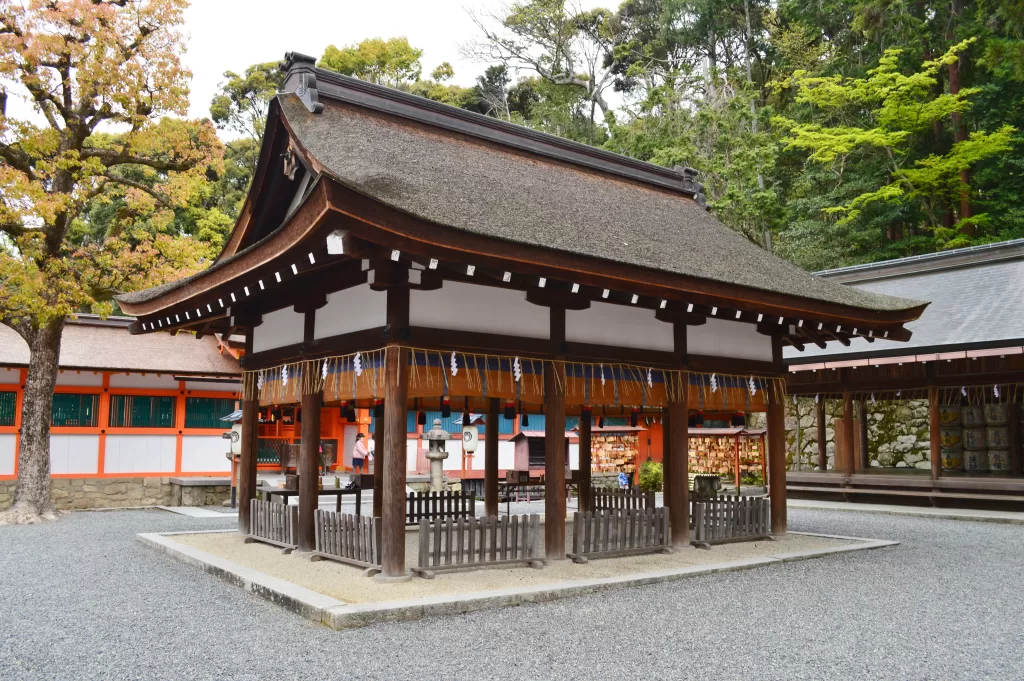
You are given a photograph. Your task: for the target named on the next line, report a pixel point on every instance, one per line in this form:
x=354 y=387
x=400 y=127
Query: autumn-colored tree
x=86 y=66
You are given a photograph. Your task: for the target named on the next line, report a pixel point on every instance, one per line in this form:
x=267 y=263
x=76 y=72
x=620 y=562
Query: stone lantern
x=436 y=438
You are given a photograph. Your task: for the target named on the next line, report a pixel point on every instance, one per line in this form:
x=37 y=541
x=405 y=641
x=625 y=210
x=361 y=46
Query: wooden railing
x=469 y=543
x=347 y=538
x=615 y=499
x=276 y=524
x=439 y=506
x=622 y=532
x=729 y=518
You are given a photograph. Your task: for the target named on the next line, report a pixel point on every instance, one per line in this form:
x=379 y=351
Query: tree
x=880 y=120
x=385 y=62
x=243 y=101
x=84 y=64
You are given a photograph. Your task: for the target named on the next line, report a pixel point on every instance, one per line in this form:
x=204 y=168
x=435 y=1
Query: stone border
x=340 y=615
x=969 y=514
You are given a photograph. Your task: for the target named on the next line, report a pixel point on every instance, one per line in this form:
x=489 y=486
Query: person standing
x=359 y=454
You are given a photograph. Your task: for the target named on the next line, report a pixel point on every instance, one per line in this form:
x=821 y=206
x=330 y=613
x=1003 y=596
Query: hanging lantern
x=421 y=417
x=634 y=418
x=510 y=410
x=600 y=422
x=446 y=407
x=739 y=420
x=296 y=415
x=691 y=421
x=700 y=419
x=343 y=410
x=378 y=408
x=350 y=413
x=524 y=420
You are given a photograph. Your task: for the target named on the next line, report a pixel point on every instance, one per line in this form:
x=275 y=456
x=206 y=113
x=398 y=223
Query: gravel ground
x=81 y=599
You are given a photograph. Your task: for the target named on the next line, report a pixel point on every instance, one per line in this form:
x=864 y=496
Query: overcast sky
x=232 y=34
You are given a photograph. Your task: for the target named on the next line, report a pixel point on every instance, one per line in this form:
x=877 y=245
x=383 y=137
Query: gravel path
x=81 y=599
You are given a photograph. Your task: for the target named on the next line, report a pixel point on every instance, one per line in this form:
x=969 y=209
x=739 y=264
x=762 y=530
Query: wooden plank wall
x=478 y=542
x=730 y=518
x=275 y=524
x=619 y=532
x=348 y=538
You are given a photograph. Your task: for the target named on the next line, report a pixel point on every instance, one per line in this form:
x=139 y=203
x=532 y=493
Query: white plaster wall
x=87 y=378
x=410 y=455
x=214 y=387
x=139 y=454
x=574 y=456
x=74 y=453
x=9 y=376
x=721 y=338
x=618 y=325
x=149 y=381
x=7 y=454
x=353 y=309
x=204 y=454
x=279 y=328
x=469 y=307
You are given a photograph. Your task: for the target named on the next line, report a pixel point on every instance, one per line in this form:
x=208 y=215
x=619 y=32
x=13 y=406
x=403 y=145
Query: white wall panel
x=721 y=338
x=74 y=453
x=149 y=381
x=87 y=378
x=9 y=376
x=353 y=309
x=204 y=454
x=574 y=456
x=209 y=386
x=619 y=326
x=506 y=455
x=468 y=307
x=139 y=454
x=7 y=453
x=410 y=455
x=279 y=328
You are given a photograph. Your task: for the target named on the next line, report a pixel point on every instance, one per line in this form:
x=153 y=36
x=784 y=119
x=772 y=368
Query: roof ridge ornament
x=691 y=185
x=306 y=89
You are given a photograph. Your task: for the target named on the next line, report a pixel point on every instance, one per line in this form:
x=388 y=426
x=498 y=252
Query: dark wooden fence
x=615 y=499
x=468 y=543
x=439 y=506
x=620 y=532
x=348 y=538
x=276 y=524
x=729 y=518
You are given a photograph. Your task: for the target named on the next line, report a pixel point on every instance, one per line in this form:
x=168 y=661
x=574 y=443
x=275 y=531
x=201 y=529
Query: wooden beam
x=247 y=462
x=672 y=316
x=549 y=297
x=678 y=454
x=309 y=470
x=491 y=459
x=378 y=466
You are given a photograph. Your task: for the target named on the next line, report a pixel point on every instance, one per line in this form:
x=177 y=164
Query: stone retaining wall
x=83 y=493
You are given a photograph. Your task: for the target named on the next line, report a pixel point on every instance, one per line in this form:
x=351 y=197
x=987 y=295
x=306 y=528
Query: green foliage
x=388 y=62
x=652 y=476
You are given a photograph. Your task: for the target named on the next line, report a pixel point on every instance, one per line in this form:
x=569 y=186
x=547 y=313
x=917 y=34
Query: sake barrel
x=976 y=461
x=951 y=438
x=974 y=438
x=996 y=414
x=997 y=437
x=972 y=415
x=952 y=459
x=949 y=416
x=999 y=460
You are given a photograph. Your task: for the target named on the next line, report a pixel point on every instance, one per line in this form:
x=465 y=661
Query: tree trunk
x=959 y=130
x=32 y=499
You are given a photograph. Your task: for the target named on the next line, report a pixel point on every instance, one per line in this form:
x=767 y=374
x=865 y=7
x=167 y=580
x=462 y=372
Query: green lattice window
x=141 y=411
x=72 y=409
x=206 y=412
x=8 y=403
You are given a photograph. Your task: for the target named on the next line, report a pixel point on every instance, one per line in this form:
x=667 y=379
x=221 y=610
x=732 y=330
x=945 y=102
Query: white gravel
x=81 y=599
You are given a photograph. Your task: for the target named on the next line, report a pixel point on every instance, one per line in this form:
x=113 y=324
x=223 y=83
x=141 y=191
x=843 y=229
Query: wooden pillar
x=392 y=463
x=864 y=459
x=554 y=465
x=849 y=444
x=736 y=462
x=666 y=460
x=678 y=454
x=934 y=435
x=586 y=491
x=777 y=461
x=247 y=461
x=678 y=482
x=491 y=459
x=820 y=421
x=378 y=466
x=309 y=470
x=1013 y=411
